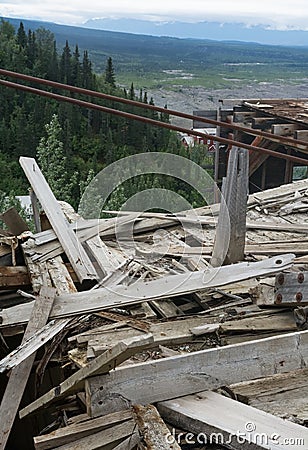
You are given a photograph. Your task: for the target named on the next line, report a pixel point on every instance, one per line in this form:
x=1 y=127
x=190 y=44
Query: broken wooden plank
x=14 y=221
x=73 y=249
x=32 y=344
x=231 y=228
x=19 y=376
x=216 y=419
x=186 y=374
x=104 y=439
x=71 y=433
x=160 y=288
x=102 y=364
x=164 y=333
x=284 y=395
x=284 y=321
x=153 y=430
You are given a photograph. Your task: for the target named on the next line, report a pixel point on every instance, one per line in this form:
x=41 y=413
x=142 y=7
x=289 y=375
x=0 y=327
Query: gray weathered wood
x=100 y=440
x=130 y=443
x=73 y=249
x=232 y=424
x=186 y=374
x=169 y=286
x=102 y=364
x=231 y=228
x=71 y=433
x=19 y=376
x=284 y=395
x=291 y=288
x=32 y=344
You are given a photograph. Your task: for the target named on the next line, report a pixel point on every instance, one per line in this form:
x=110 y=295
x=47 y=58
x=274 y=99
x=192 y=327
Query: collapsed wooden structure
x=181 y=339
x=262 y=123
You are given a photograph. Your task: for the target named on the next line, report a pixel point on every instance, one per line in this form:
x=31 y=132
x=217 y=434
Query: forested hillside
x=71 y=144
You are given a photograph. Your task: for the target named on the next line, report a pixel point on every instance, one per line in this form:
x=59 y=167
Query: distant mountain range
x=185 y=30
x=203 y=30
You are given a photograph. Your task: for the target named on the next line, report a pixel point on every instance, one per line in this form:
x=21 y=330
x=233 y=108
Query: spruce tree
x=109 y=73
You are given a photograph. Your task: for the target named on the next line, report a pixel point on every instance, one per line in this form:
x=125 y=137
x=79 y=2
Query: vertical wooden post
x=230 y=236
x=35 y=211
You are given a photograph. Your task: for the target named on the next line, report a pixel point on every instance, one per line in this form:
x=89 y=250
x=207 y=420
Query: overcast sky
x=275 y=13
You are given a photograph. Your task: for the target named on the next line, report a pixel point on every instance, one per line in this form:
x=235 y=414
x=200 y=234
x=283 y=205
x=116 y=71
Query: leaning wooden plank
x=19 y=376
x=77 y=431
x=102 y=364
x=169 y=286
x=153 y=429
x=32 y=344
x=187 y=374
x=73 y=249
x=213 y=418
x=103 y=439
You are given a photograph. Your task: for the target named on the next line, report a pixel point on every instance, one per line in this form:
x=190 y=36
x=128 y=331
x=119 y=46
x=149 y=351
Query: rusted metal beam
x=300 y=145
x=84 y=104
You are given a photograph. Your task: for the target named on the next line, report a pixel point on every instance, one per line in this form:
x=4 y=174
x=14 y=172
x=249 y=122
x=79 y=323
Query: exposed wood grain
x=102 y=364
x=186 y=374
x=172 y=285
x=231 y=423
x=100 y=440
x=152 y=428
x=20 y=374
x=77 y=431
x=284 y=394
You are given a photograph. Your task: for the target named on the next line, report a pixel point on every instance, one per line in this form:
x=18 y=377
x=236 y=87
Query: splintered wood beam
x=176 y=376
x=160 y=288
x=216 y=419
x=102 y=364
x=31 y=345
x=153 y=429
x=20 y=374
x=70 y=244
x=230 y=235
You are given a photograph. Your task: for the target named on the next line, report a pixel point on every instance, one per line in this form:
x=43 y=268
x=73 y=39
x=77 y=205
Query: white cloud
x=275 y=13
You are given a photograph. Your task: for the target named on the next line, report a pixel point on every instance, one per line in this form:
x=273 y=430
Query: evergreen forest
x=70 y=143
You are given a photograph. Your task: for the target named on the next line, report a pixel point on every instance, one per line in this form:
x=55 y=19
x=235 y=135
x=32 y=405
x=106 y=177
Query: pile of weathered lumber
x=154 y=344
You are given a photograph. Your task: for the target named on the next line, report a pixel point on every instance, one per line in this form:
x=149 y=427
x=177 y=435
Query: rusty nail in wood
x=280 y=278
x=278 y=299
x=300 y=278
x=299 y=297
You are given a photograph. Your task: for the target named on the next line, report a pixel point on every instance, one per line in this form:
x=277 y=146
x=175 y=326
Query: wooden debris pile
x=152 y=344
